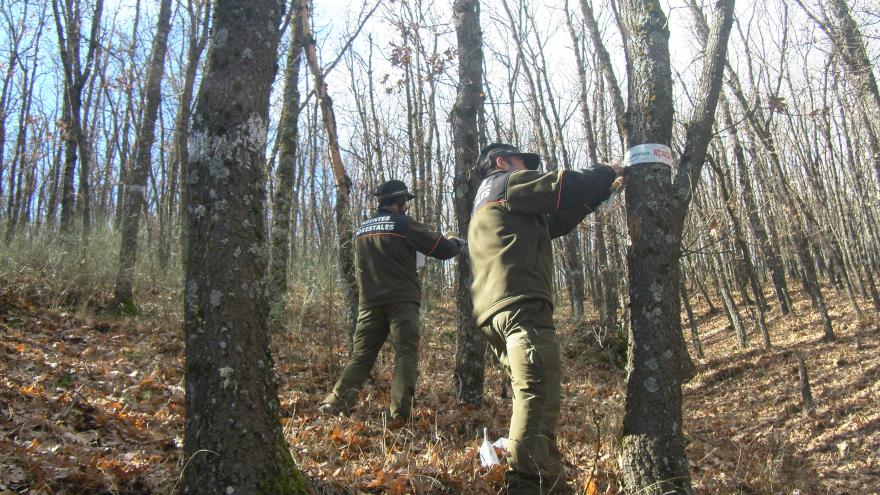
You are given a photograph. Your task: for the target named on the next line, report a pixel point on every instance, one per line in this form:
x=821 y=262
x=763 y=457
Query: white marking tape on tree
x=648 y=153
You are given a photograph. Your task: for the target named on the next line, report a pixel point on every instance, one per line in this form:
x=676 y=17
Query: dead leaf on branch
x=777 y=104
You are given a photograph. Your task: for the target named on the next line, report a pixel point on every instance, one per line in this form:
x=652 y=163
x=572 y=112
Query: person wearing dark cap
x=389 y=297
x=517 y=211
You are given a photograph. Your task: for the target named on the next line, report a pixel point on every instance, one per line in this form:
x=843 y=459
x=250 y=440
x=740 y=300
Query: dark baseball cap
x=392 y=188
x=489 y=154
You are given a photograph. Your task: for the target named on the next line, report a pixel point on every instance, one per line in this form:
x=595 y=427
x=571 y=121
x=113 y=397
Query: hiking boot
x=329 y=409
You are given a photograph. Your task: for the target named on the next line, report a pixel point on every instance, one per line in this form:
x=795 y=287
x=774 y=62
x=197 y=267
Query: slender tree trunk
x=181 y=139
x=745 y=262
x=137 y=175
x=68 y=195
x=469 y=364
x=68 y=24
x=774 y=261
x=695 y=334
x=54 y=184
x=342 y=206
x=606 y=68
x=811 y=280
x=234 y=441
x=288 y=131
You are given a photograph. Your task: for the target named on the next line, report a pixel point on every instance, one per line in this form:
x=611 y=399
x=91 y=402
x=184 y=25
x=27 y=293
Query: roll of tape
x=648 y=153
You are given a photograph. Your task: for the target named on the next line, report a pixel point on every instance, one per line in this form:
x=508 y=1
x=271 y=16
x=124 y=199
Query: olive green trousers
x=374 y=324
x=524 y=339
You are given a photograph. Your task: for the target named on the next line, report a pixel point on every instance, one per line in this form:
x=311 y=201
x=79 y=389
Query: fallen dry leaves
x=92 y=403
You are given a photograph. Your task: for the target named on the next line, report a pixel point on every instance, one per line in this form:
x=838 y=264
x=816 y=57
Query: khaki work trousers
x=401 y=320
x=524 y=339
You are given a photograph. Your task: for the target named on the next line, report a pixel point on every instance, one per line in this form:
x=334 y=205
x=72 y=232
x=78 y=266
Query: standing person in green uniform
x=389 y=297
x=517 y=211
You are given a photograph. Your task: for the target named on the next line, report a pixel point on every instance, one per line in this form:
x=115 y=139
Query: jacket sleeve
x=430 y=243
x=564 y=221
x=543 y=193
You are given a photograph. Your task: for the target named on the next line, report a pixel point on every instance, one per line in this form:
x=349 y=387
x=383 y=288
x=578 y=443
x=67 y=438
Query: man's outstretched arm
x=433 y=244
x=545 y=193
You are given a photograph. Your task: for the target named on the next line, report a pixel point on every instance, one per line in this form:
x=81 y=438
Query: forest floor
x=94 y=403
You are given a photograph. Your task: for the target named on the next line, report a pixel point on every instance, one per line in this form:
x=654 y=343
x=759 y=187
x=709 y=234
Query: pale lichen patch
x=656 y=291
x=216 y=297
x=226 y=374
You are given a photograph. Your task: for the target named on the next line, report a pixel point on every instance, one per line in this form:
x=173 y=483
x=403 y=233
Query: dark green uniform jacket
x=515 y=215
x=385 y=249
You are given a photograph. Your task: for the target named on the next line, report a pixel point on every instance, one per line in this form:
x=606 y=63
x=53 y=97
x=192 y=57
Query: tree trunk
x=123 y=295
x=68 y=25
x=469 y=364
x=342 y=210
x=695 y=334
x=288 y=131
x=652 y=454
x=68 y=195
x=234 y=441
x=774 y=261
x=745 y=262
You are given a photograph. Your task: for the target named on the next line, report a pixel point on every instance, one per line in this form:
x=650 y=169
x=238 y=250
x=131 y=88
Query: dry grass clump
x=40 y=264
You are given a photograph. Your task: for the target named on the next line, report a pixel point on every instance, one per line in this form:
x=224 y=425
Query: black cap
x=489 y=154
x=393 y=188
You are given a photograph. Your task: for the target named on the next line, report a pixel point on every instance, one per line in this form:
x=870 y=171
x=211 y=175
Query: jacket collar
x=385 y=209
x=495 y=172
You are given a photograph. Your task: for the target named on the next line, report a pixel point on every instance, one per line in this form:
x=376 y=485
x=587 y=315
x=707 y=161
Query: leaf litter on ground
x=90 y=402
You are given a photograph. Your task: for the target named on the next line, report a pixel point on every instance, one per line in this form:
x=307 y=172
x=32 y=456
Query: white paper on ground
x=488 y=457
x=420 y=260
x=502 y=443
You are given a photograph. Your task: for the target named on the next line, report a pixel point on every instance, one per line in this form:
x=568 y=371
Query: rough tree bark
x=652 y=455
x=288 y=130
x=123 y=295
x=234 y=441
x=469 y=364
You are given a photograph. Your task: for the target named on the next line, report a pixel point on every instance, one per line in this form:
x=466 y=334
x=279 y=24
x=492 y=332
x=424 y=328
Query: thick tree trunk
x=652 y=453
x=652 y=457
x=234 y=441
x=123 y=294
x=469 y=363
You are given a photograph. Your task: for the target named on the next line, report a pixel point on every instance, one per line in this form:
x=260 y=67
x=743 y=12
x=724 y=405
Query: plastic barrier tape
x=648 y=153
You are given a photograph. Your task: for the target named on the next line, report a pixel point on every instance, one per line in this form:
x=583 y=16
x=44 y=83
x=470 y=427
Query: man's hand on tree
x=461 y=243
